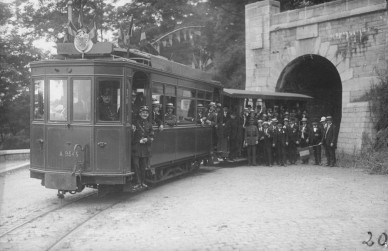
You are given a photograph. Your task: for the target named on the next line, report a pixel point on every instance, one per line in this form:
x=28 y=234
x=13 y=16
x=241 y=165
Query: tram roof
x=237 y=93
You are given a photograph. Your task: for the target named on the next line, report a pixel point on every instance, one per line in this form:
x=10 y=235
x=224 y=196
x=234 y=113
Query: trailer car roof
x=236 y=93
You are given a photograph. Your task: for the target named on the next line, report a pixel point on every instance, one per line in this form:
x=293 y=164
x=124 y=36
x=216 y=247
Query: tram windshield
x=39 y=99
x=58 y=99
x=81 y=99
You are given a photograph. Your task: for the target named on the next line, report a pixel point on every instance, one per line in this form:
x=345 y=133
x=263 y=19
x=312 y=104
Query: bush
x=20 y=141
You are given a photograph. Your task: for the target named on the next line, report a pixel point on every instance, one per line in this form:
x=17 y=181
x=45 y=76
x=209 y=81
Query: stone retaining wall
x=8 y=155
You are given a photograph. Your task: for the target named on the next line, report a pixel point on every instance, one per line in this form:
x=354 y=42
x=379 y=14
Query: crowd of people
x=266 y=136
x=263 y=136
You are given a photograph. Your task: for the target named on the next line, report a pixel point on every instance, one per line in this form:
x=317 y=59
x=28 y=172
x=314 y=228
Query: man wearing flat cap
x=330 y=141
x=201 y=117
x=107 y=110
x=169 y=118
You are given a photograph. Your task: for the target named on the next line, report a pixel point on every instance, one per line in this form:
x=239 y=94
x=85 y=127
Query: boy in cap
x=251 y=140
x=169 y=118
x=141 y=145
x=316 y=139
x=330 y=141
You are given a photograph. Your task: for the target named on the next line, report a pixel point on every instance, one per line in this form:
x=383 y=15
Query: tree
x=16 y=52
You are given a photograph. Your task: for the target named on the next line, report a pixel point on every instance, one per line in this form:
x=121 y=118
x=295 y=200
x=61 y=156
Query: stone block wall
x=351 y=34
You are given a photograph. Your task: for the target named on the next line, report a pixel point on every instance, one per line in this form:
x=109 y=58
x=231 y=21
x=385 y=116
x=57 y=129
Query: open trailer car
x=237 y=100
x=73 y=146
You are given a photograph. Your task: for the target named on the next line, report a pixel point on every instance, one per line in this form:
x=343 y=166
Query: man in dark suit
x=281 y=142
x=251 y=140
x=260 y=145
x=304 y=138
x=315 y=140
x=232 y=130
x=293 y=140
x=330 y=141
x=268 y=143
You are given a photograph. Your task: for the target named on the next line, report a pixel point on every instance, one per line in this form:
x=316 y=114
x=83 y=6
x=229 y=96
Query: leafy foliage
x=378 y=96
x=16 y=52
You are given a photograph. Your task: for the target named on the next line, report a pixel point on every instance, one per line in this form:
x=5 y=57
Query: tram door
x=109 y=143
x=138 y=88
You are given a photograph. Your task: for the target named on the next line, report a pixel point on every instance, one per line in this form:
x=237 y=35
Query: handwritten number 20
x=382 y=240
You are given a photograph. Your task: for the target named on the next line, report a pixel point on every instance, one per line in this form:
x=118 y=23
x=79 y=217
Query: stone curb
x=14 y=168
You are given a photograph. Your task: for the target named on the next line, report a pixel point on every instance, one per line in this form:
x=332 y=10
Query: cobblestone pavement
x=245 y=208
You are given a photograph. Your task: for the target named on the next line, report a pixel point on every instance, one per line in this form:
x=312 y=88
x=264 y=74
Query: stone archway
x=316 y=76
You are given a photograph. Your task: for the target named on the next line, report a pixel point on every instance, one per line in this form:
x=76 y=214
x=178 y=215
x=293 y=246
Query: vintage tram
x=73 y=145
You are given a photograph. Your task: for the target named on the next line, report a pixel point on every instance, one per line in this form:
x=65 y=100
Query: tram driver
x=107 y=110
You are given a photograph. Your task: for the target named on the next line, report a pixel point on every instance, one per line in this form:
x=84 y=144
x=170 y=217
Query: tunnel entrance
x=315 y=76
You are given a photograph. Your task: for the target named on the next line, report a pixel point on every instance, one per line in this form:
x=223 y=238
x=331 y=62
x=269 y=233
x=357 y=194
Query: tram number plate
x=60 y=181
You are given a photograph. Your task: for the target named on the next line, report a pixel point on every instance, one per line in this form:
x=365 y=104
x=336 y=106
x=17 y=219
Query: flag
x=143 y=36
x=80 y=19
x=130 y=26
x=93 y=32
x=194 y=62
x=170 y=39
x=71 y=29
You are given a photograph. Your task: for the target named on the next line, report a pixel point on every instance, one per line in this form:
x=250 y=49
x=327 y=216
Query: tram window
x=186 y=93
x=157 y=102
x=209 y=96
x=186 y=110
x=205 y=104
x=38 y=99
x=157 y=88
x=170 y=91
x=58 y=99
x=109 y=100
x=81 y=99
x=201 y=94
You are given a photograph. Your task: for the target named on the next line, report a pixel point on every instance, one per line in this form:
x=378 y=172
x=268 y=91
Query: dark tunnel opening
x=315 y=76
